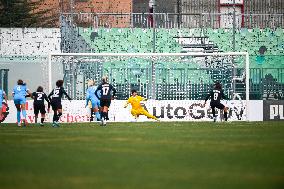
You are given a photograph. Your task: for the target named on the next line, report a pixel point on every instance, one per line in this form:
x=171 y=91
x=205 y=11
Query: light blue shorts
x=95 y=103
x=20 y=100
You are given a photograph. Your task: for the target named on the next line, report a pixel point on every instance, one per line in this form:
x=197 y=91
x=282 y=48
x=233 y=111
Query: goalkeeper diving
x=137 y=109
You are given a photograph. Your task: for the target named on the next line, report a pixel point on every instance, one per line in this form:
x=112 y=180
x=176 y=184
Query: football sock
x=24 y=113
x=226 y=116
x=98 y=116
x=18 y=116
x=213 y=112
x=35 y=119
x=54 y=116
x=104 y=115
x=92 y=114
x=58 y=116
x=41 y=120
x=107 y=116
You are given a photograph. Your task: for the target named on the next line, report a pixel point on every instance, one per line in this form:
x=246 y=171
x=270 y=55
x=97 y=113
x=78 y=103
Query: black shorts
x=217 y=105
x=39 y=108
x=56 y=105
x=105 y=102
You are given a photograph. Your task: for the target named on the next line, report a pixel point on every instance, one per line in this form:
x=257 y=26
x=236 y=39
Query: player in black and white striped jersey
x=39 y=96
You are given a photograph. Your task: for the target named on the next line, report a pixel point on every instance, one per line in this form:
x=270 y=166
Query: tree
x=25 y=13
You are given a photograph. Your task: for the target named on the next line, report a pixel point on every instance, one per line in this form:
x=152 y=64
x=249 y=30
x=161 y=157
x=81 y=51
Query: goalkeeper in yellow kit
x=137 y=109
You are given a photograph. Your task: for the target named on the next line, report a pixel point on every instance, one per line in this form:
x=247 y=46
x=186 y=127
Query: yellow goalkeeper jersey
x=135 y=101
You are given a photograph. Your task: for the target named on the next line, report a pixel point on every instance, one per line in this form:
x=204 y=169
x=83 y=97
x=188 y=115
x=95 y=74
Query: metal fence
x=267 y=83
x=176 y=20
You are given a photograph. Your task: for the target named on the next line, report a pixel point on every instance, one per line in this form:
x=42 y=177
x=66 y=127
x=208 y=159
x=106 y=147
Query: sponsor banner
x=165 y=110
x=273 y=110
x=255 y=110
x=73 y=111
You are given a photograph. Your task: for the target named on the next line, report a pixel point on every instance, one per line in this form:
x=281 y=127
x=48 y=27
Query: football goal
x=157 y=76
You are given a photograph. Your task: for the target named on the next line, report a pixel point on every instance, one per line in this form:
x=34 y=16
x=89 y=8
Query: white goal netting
x=163 y=77
x=156 y=76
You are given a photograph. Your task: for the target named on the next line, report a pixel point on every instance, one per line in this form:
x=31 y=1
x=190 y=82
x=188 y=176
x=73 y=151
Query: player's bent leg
x=97 y=113
x=92 y=109
x=42 y=112
x=36 y=116
x=24 y=113
x=55 y=115
x=221 y=106
x=135 y=114
x=59 y=114
x=91 y=115
x=148 y=115
x=104 y=115
x=42 y=119
x=18 y=106
x=214 y=113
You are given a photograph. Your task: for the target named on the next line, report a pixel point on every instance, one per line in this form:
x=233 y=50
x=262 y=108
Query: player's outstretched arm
x=207 y=97
x=144 y=99
x=126 y=104
x=68 y=97
x=29 y=94
x=48 y=101
x=33 y=95
x=50 y=94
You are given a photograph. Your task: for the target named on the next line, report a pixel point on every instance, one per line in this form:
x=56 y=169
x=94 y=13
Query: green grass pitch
x=202 y=155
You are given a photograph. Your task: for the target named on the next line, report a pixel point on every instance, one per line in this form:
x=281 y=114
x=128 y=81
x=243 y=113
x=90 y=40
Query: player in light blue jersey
x=95 y=102
x=20 y=92
x=2 y=96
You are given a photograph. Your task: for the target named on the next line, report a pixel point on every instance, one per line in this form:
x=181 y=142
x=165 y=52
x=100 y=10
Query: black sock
x=104 y=115
x=213 y=112
x=92 y=115
x=58 y=116
x=42 y=120
x=54 y=116
x=226 y=116
x=35 y=119
x=107 y=116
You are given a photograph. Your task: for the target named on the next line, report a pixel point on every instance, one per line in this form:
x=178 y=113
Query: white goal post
x=244 y=78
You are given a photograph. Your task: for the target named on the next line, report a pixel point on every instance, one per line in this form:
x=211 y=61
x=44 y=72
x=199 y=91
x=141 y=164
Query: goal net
x=183 y=78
